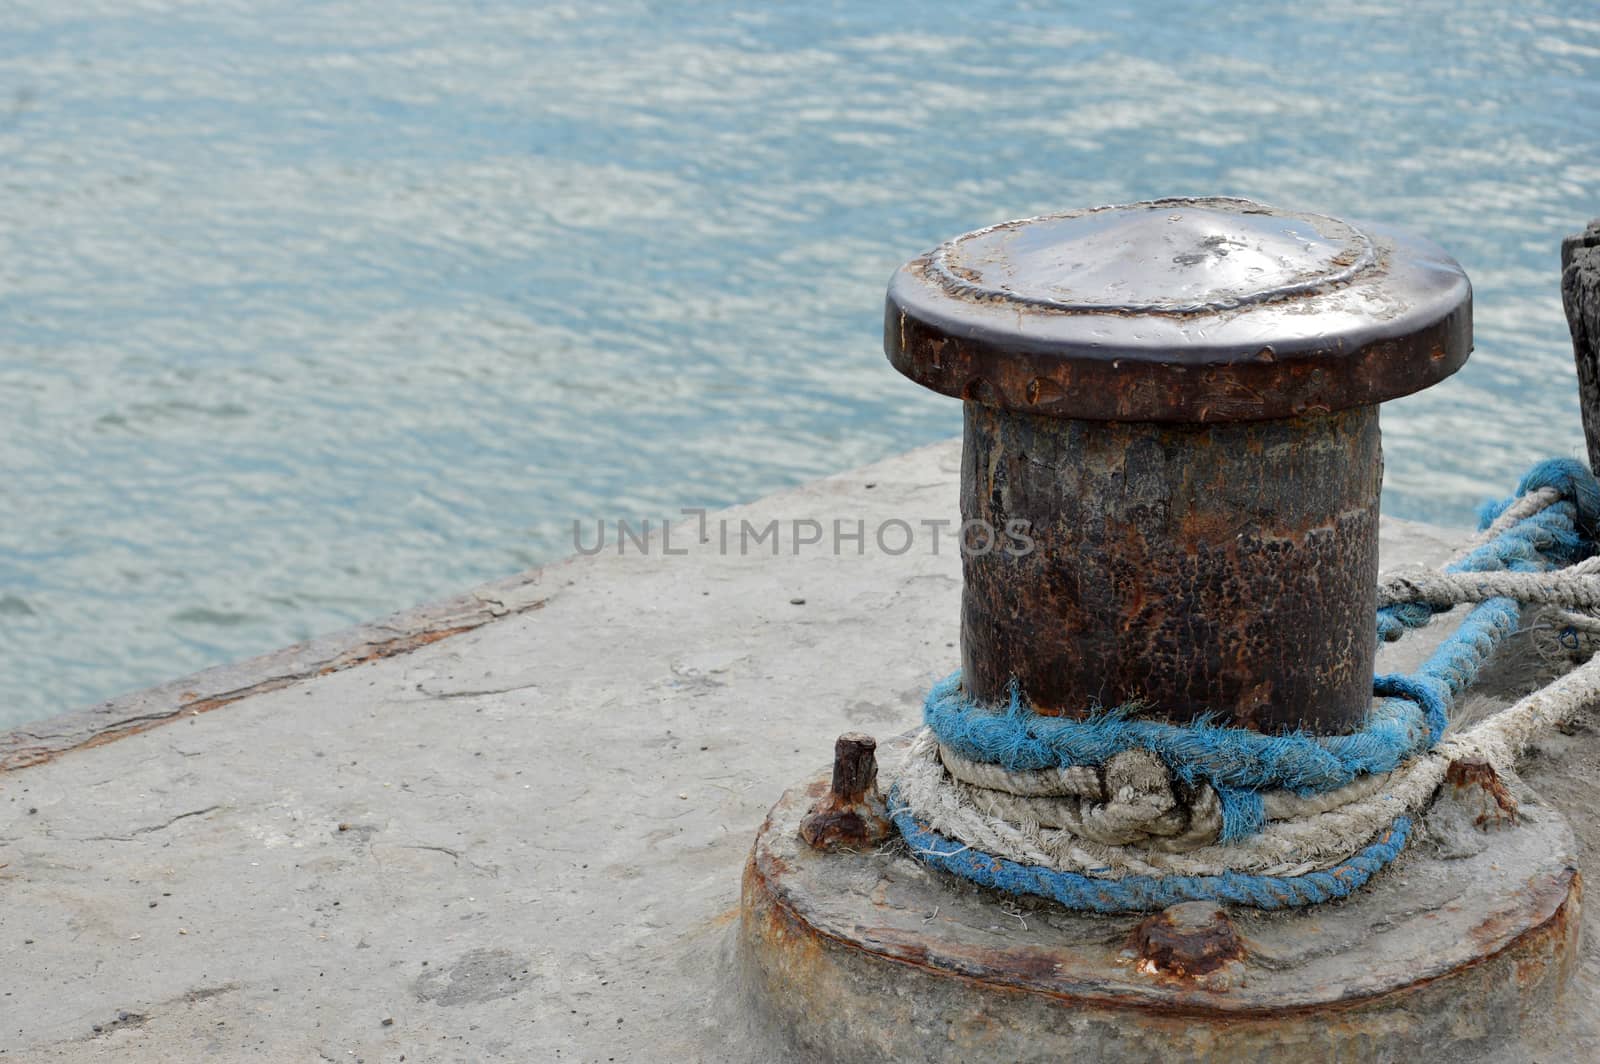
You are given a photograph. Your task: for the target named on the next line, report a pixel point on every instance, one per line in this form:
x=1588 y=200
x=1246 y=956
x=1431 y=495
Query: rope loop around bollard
x=1549 y=525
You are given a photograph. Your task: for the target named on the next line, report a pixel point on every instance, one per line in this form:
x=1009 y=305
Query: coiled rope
x=1111 y=813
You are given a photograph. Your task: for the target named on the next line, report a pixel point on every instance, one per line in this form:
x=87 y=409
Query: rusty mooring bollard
x=1179 y=401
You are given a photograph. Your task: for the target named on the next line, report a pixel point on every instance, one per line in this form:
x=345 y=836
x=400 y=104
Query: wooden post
x=1580 y=296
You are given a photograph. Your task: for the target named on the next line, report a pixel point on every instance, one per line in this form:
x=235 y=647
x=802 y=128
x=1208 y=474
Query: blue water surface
x=311 y=311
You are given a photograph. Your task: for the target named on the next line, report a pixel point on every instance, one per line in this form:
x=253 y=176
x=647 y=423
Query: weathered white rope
x=1081 y=780
x=1577 y=586
x=1568 y=635
x=1159 y=823
x=1143 y=805
x=1283 y=847
x=1585 y=623
x=1137 y=801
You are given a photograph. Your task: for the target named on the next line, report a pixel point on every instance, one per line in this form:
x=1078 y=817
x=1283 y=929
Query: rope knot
x=1574 y=481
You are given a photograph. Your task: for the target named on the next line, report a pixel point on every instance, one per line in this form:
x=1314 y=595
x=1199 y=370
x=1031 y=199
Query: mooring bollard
x=1178 y=402
x=1175 y=404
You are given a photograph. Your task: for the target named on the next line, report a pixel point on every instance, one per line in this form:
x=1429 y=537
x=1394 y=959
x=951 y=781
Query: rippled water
x=310 y=311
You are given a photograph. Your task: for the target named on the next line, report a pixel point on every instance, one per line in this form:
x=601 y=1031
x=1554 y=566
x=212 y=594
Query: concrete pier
x=509 y=827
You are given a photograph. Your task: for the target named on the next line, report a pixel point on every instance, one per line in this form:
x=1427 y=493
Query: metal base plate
x=1451 y=954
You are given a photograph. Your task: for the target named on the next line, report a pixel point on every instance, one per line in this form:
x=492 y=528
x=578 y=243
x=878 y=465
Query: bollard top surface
x=1184 y=310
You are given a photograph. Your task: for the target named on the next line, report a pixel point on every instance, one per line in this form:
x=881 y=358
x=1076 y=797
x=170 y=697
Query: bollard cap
x=1182 y=310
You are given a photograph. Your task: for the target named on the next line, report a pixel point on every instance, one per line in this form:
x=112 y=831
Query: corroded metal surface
x=853 y=814
x=1187 y=941
x=1454 y=955
x=1192 y=310
x=1228 y=568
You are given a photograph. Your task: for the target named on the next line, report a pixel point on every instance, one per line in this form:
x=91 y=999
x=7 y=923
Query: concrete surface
x=518 y=839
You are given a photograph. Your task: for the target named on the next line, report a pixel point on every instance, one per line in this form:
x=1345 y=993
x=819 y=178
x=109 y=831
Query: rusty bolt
x=853 y=814
x=1174 y=404
x=1188 y=940
x=1499 y=806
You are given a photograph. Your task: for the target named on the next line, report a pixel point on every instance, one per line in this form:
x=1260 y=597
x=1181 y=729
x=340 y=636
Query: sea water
x=313 y=311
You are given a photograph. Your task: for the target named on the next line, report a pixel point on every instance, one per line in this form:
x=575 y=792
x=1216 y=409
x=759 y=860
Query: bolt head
x=1192 y=939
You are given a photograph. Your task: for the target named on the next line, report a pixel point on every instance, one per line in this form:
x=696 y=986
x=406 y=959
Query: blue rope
x=1408 y=717
x=1230 y=759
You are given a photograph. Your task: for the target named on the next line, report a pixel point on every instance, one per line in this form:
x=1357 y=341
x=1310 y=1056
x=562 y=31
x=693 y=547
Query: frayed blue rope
x=1410 y=717
x=1230 y=759
x=1143 y=893
x=1243 y=812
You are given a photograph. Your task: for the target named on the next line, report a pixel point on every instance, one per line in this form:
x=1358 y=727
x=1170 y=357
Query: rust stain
x=726 y=918
x=1186 y=941
x=1542 y=892
x=1469 y=772
x=193 y=704
x=392 y=647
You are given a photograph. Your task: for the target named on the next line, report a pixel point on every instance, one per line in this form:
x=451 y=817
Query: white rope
x=1137 y=801
x=948 y=807
x=1577 y=586
x=1081 y=780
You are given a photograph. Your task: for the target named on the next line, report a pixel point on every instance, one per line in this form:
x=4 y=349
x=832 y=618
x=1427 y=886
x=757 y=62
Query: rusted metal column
x=1177 y=401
